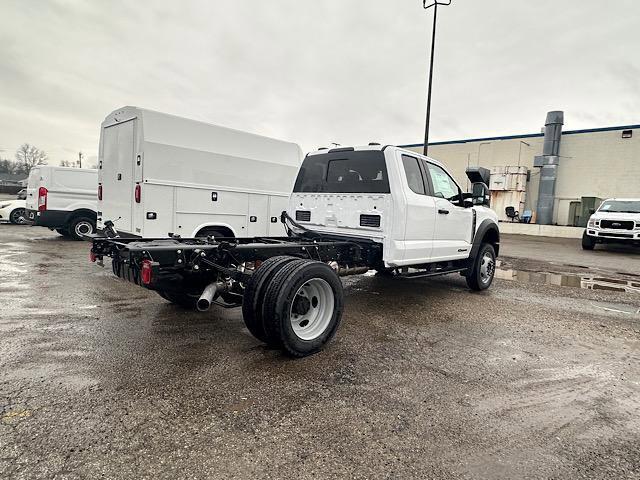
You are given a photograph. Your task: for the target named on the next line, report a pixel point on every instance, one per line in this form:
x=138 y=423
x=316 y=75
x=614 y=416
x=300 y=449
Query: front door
x=453 y=235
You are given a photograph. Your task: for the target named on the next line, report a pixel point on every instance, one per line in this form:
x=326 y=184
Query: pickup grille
x=617 y=224
x=303 y=215
x=370 y=221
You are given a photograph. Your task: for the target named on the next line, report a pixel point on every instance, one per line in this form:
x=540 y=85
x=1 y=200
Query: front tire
x=81 y=226
x=588 y=243
x=303 y=307
x=483 y=269
x=18 y=216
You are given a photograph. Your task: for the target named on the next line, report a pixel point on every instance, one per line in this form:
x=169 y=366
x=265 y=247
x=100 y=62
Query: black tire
x=18 y=216
x=254 y=294
x=481 y=274
x=588 y=243
x=80 y=226
x=184 y=300
x=212 y=232
x=282 y=298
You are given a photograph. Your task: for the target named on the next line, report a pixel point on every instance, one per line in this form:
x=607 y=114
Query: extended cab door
x=453 y=226
x=420 y=213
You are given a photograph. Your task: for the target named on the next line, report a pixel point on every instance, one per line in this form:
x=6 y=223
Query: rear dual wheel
x=294 y=304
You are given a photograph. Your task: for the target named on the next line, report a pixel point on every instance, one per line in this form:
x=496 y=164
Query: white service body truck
x=160 y=174
x=617 y=220
x=63 y=199
x=352 y=209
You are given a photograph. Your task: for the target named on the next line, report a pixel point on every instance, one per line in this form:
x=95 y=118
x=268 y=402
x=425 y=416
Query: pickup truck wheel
x=81 y=226
x=303 y=307
x=588 y=243
x=254 y=294
x=484 y=268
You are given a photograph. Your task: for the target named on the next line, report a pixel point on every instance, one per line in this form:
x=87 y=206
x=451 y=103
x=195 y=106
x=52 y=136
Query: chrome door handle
x=443 y=212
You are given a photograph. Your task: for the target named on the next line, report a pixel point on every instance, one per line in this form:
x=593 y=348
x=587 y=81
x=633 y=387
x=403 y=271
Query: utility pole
x=433 y=46
x=79 y=159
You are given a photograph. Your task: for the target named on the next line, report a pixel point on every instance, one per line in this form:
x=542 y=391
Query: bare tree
x=28 y=156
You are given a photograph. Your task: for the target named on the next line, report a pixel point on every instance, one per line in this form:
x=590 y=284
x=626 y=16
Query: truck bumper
x=606 y=236
x=49 y=218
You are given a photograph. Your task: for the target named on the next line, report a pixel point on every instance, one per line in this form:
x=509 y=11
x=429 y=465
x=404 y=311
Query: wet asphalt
x=102 y=379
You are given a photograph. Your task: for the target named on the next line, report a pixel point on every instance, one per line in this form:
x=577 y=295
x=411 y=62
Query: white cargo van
x=63 y=199
x=160 y=174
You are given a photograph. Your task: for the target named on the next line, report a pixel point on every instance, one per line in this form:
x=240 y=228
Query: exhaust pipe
x=204 y=302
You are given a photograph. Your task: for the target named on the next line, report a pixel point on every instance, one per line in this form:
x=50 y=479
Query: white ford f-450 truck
x=351 y=210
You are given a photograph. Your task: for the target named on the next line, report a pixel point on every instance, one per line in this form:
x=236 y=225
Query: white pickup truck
x=617 y=220
x=352 y=210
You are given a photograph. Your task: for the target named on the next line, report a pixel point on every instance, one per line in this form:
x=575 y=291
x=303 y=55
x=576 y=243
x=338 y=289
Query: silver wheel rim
x=83 y=228
x=312 y=309
x=19 y=216
x=487 y=267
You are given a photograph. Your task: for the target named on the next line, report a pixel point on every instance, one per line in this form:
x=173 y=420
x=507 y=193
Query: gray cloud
x=314 y=71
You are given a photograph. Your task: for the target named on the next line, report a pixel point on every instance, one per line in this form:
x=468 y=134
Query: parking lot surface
x=425 y=379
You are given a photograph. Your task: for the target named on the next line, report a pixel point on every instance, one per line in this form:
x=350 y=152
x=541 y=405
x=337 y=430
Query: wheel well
x=493 y=237
x=219 y=231
x=83 y=212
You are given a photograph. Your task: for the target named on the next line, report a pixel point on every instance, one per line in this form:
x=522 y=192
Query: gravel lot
x=99 y=378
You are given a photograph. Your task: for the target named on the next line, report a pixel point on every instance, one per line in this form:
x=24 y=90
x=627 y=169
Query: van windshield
x=620 y=206
x=344 y=172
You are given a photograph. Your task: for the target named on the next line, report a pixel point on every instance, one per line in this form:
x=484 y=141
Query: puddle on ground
x=590 y=282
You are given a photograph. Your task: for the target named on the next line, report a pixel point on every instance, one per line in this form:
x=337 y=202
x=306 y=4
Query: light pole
x=434 y=4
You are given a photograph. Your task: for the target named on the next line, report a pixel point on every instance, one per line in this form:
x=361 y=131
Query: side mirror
x=480 y=194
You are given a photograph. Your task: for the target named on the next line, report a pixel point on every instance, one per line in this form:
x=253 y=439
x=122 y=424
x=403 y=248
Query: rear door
x=420 y=213
x=32 y=188
x=117 y=175
x=453 y=225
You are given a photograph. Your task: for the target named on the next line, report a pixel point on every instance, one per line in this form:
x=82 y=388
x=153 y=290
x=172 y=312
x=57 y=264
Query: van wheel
x=81 y=226
x=18 y=216
x=484 y=268
x=588 y=243
x=254 y=291
x=303 y=307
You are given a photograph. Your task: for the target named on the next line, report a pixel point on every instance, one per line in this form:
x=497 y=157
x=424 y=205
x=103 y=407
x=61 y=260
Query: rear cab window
x=363 y=171
x=413 y=173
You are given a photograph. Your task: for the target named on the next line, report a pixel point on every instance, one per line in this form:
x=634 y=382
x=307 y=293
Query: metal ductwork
x=548 y=164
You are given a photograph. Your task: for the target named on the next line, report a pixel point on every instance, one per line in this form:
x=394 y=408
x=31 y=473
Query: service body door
x=118 y=184
x=258 y=215
x=454 y=224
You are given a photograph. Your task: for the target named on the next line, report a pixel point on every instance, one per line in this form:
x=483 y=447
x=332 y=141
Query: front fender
x=488 y=230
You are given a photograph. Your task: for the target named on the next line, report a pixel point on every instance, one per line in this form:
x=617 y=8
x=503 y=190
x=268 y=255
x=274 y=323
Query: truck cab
x=407 y=202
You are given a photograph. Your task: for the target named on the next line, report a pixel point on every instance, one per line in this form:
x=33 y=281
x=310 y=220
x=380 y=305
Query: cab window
x=414 y=174
x=443 y=185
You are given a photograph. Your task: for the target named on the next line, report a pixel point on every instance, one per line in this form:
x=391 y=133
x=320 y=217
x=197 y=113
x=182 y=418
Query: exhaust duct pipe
x=208 y=294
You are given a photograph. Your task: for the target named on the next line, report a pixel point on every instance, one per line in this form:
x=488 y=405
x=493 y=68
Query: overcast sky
x=314 y=71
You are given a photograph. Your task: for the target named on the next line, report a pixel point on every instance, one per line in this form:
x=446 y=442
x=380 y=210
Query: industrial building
x=578 y=167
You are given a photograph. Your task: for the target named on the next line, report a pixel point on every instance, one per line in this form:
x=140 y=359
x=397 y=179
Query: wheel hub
x=312 y=309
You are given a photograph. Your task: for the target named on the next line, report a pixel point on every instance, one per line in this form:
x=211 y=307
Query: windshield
x=344 y=172
x=620 y=206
